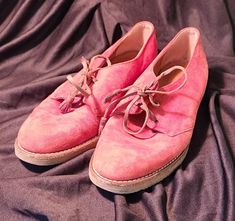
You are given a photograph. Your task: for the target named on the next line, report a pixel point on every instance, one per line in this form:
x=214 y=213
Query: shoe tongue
x=99 y=62
x=145 y=79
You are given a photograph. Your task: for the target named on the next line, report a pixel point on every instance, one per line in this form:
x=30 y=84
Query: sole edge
x=132 y=186
x=48 y=159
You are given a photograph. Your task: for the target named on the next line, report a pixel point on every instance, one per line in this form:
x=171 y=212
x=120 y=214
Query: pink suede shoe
x=66 y=123
x=149 y=132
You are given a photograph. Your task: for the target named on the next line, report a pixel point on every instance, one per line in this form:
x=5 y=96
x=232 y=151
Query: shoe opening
x=133 y=43
x=179 y=52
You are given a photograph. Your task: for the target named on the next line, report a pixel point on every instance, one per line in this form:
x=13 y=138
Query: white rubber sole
x=53 y=158
x=131 y=186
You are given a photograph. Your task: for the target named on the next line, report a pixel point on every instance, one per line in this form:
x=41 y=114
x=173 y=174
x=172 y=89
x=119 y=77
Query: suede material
x=136 y=156
x=130 y=157
x=116 y=77
x=44 y=132
x=47 y=130
x=180 y=107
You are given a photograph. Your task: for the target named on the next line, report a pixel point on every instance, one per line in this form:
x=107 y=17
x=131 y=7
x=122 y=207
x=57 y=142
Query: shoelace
x=82 y=87
x=141 y=98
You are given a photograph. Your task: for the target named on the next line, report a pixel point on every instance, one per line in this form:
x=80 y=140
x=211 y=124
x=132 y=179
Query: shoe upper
x=48 y=129
x=169 y=92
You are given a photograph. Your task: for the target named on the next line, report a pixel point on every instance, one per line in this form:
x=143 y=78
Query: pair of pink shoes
x=139 y=108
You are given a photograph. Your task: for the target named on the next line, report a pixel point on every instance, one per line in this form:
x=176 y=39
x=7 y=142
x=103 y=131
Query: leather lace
x=82 y=87
x=141 y=98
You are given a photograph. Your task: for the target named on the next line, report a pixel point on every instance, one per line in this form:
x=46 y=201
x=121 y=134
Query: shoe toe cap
x=43 y=132
x=120 y=156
